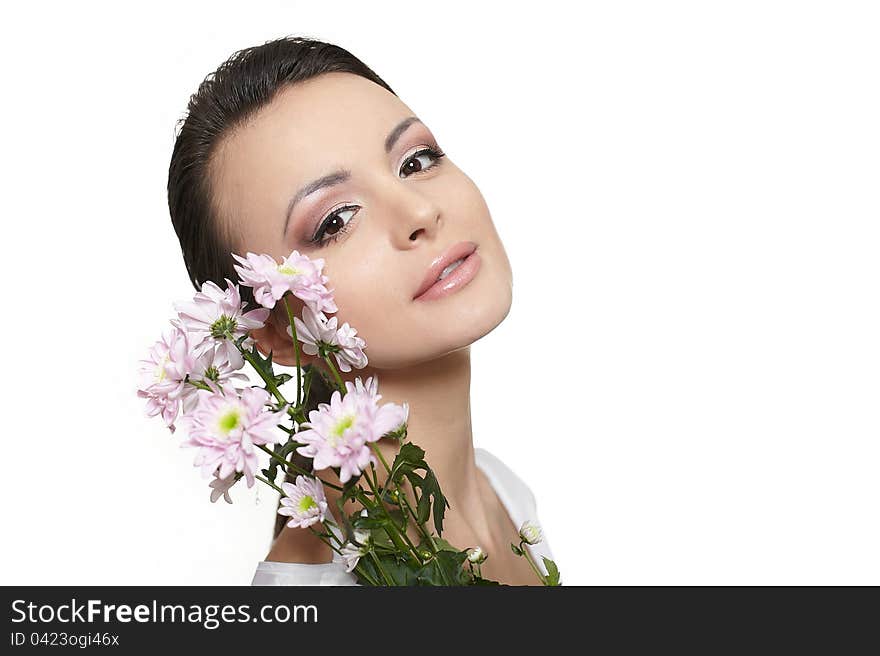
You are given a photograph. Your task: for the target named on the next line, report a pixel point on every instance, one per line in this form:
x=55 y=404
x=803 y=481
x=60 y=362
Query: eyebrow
x=341 y=175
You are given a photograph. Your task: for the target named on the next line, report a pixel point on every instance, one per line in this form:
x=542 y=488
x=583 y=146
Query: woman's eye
x=414 y=163
x=334 y=225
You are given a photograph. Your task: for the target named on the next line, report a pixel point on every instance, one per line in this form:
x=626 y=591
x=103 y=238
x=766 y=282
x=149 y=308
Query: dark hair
x=246 y=82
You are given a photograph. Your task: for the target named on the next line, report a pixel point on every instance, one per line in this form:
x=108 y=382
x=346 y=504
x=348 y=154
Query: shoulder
x=296 y=545
x=502 y=476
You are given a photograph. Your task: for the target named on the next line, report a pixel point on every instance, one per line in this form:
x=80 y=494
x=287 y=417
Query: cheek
x=364 y=298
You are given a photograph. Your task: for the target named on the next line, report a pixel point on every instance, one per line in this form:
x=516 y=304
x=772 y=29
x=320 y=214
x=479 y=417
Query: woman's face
x=402 y=207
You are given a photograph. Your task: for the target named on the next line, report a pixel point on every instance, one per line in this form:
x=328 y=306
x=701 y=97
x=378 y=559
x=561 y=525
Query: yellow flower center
x=160 y=370
x=228 y=421
x=288 y=270
x=337 y=432
x=306 y=503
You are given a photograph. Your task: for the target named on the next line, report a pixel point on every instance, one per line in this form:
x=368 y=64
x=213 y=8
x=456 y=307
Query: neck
x=438 y=394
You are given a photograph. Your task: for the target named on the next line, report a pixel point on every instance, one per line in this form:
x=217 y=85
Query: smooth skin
x=410 y=208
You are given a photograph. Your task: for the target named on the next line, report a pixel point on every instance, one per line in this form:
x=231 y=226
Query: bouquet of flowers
x=192 y=371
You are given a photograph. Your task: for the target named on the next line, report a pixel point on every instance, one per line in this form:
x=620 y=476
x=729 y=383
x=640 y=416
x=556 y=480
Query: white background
x=688 y=193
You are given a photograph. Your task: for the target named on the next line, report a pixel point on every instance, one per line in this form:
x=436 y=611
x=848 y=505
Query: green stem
x=391 y=531
x=296 y=350
x=381 y=569
x=525 y=553
x=298 y=470
x=324 y=539
x=369 y=578
x=335 y=373
x=330 y=522
x=381 y=457
x=270 y=383
x=197 y=383
x=402 y=497
x=270 y=483
x=424 y=532
x=374 y=486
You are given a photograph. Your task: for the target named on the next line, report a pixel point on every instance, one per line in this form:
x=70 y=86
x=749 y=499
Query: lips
x=455 y=252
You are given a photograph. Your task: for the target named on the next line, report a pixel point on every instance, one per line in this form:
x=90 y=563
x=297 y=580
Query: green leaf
x=317 y=387
x=368 y=522
x=423 y=508
x=443 y=545
x=368 y=567
x=283 y=451
x=282 y=378
x=552 y=571
x=440 y=504
x=445 y=569
x=260 y=363
x=408 y=459
x=480 y=581
x=350 y=489
x=402 y=570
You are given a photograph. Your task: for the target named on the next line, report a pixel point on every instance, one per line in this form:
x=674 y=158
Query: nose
x=413 y=213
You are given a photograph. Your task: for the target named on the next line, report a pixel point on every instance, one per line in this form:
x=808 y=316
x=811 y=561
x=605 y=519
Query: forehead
x=324 y=118
x=330 y=121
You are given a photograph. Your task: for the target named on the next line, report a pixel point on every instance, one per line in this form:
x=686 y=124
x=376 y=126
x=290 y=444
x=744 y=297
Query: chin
x=458 y=329
x=478 y=315
x=426 y=331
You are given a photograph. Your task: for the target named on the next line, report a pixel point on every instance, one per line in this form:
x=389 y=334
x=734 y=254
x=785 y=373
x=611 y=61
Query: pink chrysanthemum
x=226 y=426
x=315 y=329
x=390 y=414
x=218 y=316
x=297 y=274
x=163 y=373
x=304 y=502
x=338 y=434
x=214 y=370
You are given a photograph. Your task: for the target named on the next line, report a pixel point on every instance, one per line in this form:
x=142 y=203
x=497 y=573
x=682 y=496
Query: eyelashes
x=323 y=236
x=436 y=153
x=319 y=240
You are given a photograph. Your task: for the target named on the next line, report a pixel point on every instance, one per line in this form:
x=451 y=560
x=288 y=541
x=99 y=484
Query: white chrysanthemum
x=476 y=555
x=351 y=554
x=530 y=532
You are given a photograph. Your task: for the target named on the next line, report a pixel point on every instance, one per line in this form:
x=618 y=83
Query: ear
x=273 y=337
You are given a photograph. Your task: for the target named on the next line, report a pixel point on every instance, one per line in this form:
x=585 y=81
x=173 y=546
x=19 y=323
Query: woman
x=298 y=145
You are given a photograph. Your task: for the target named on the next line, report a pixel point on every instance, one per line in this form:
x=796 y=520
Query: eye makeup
x=322 y=237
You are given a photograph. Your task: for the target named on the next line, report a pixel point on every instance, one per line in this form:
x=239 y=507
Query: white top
x=515 y=496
